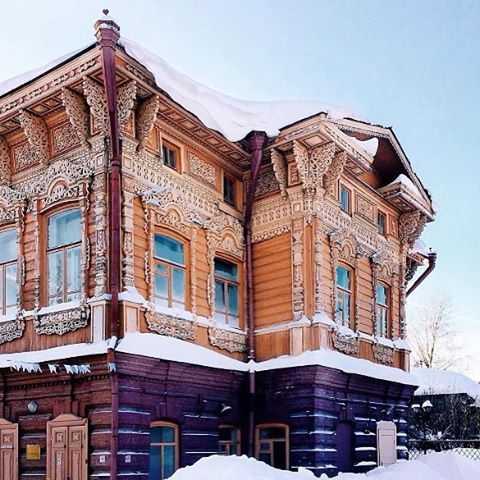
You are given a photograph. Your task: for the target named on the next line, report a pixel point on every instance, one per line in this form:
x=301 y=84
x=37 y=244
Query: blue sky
x=410 y=64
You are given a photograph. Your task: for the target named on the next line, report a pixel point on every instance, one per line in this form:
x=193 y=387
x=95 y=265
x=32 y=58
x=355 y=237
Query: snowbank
x=440 y=382
x=435 y=466
x=232 y=117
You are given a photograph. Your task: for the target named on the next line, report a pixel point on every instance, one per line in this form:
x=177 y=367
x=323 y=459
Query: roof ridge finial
x=106 y=22
x=106 y=11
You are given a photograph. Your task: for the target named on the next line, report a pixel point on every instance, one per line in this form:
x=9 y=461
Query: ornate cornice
x=227 y=340
x=59 y=323
x=11 y=330
x=77 y=111
x=146 y=116
x=97 y=101
x=36 y=131
x=170 y=326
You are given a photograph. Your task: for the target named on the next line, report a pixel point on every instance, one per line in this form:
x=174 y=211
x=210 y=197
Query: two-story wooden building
x=183 y=274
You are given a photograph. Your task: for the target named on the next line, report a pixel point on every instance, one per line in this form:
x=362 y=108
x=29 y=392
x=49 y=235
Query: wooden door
x=345 y=448
x=8 y=450
x=67 y=448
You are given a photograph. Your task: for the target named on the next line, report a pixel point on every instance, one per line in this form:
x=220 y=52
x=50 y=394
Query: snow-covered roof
x=434 y=466
x=13 y=83
x=408 y=184
x=370 y=146
x=441 y=382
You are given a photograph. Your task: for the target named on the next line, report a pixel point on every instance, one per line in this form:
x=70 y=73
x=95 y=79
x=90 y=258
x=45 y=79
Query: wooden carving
x=227 y=340
x=59 y=323
x=127 y=95
x=171 y=326
x=146 y=116
x=410 y=226
x=280 y=169
x=382 y=353
x=35 y=129
x=11 y=330
x=77 y=111
x=335 y=171
x=5 y=172
x=97 y=102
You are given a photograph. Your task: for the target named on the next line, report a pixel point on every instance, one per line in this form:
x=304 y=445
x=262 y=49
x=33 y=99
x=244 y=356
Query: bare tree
x=432 y=334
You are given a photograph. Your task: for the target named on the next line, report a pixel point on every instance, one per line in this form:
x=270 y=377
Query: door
x=8 y=450
x=67 y=448
x=345 y=453
x=386 y=443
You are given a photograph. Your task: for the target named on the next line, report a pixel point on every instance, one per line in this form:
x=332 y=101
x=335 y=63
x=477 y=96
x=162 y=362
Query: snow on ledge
x=440 y=382
x=434 y=466
x=232 y=117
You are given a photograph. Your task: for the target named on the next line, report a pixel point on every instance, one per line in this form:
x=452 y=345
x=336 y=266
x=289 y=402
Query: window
x=344 y=199
x=170 y=272
x=344 y=295
x=228 y=440
x=226 y=292
x=170 y=155
x=163 y=450
x=228 y=190
x=272 y=445
x=8 y=272
x=64 y=257
x=381 y=223
x=381 y=310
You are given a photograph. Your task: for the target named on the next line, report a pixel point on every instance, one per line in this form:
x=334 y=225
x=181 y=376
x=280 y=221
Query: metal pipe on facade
x=108 y=34
x=432 y=260
x=257 y=142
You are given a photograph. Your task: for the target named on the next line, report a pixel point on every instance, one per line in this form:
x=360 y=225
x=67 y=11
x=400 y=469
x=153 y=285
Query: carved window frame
x=387 y=308
x=385 y=223
x=166 y=141
x=342 y=186
x=168 y=232
x=353 y=294
x=80 y=202
x=175 y=443
x=6 y=228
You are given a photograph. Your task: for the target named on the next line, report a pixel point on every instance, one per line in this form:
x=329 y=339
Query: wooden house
x=151 y=244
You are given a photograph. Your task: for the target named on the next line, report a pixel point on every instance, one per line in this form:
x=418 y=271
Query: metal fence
x=467 y=448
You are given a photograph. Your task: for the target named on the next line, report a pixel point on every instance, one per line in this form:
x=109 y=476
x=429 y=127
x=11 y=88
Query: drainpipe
x=432 y=259
x=108 y=34
x=257 y=142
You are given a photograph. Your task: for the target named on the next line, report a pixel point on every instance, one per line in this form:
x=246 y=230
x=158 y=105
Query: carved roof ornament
x=97 y=101
x=410 y=226
x=35 y=129
x=335 y=171
x=127 y=94
x=4 y=162
x=280 y=170
x=146 y=116
x=77 y=111
x=313 y=164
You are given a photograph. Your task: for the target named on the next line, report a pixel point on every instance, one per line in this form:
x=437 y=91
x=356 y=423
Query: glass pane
x=233 y=450
x=162 y=435
x=228 y=190
x=161 y=286
x=233 y=299
x=169 y=249
x=64 y=228
x=55 y=274
x=178 y=285
x=168 y=461
x=272 y=432
x=169 y=157
x=225 y=269
x=11 y=289
x=382 y=295
x=343 y=278
x=154 y=472
x=227 y=433
x=344 y=199
x=73 y=270
x=161 y=268
x=346 y=309
x=8 y=246
x=220 y=303
x=2 y=300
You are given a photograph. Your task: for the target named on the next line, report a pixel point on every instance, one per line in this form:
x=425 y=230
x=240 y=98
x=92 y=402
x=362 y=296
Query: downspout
x=432 y=259
x=108 y=34
x=257 y=142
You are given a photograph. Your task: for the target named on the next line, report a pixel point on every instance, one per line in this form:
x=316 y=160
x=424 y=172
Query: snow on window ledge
x=9 y=316
x=58 y=307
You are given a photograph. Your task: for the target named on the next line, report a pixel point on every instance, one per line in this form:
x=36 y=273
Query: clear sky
x=410 y=64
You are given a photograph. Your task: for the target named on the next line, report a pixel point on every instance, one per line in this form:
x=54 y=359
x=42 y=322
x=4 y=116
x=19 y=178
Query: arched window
x=343 y=308
x=229 y=440
x=170 y=272
x=64 y=256
x=226 y=292
x=272 y=445
x=382 y=298
x=8 y=272
x=163 y=450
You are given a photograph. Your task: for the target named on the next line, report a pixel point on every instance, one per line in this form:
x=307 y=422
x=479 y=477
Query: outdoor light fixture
x=225 y=408
x=32 y=406
x=416 y=408
x=427 y=406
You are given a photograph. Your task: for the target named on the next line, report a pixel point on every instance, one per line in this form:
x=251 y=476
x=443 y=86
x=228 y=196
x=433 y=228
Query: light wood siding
x=272 y=270
x=363 y=275
x=202 y=270
x=140 y=246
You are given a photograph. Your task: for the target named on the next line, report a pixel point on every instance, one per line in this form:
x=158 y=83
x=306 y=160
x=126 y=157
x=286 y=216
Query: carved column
x=100 y=209
x=4 y=162
x=297 y=262
x=36 y=235
x=128 y=240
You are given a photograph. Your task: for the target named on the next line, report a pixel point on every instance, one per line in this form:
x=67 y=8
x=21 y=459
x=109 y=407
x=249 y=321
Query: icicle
x=84 y=368
x=53 y=367
x=112 y=367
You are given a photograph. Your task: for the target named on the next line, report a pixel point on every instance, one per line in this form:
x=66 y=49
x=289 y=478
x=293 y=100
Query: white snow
x=51 y=354
x=339 y=361
x=440 y=382
x=15 y=82
x=370 y=146
x=407 y=184
x=232 y=117
x=420 y=247
x=434 y=466
x=168 y=348
x=131 y=294
x=402 y=344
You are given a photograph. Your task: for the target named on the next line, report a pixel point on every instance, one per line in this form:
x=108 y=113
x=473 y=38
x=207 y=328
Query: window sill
x=10 y=316
x=59 y=307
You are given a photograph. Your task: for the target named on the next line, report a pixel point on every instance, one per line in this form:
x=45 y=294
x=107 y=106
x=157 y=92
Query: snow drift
x=435 y=466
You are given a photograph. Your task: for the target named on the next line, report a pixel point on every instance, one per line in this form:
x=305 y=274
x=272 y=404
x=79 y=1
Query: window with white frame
x=226 y=292
x=8 y=272
x=381 y=310
x=344 y=283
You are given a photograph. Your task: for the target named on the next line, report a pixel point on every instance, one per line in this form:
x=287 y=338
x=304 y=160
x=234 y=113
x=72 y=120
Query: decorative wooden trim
x=5 y=170
x=298 y=289
x=77 y=111
x=11 y=330
x=227 y=340
x=36 y=131
x=127 y=95
x=280 y=170
x=146 y=116
x=59 y=323
x=382 y=353
x=170 y=325
x=97 y=101
x=346 y=343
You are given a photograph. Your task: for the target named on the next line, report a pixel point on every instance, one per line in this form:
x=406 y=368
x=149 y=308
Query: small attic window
x=381 y=223
x=170 y=155
x=228 y=190
x=344 y=197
